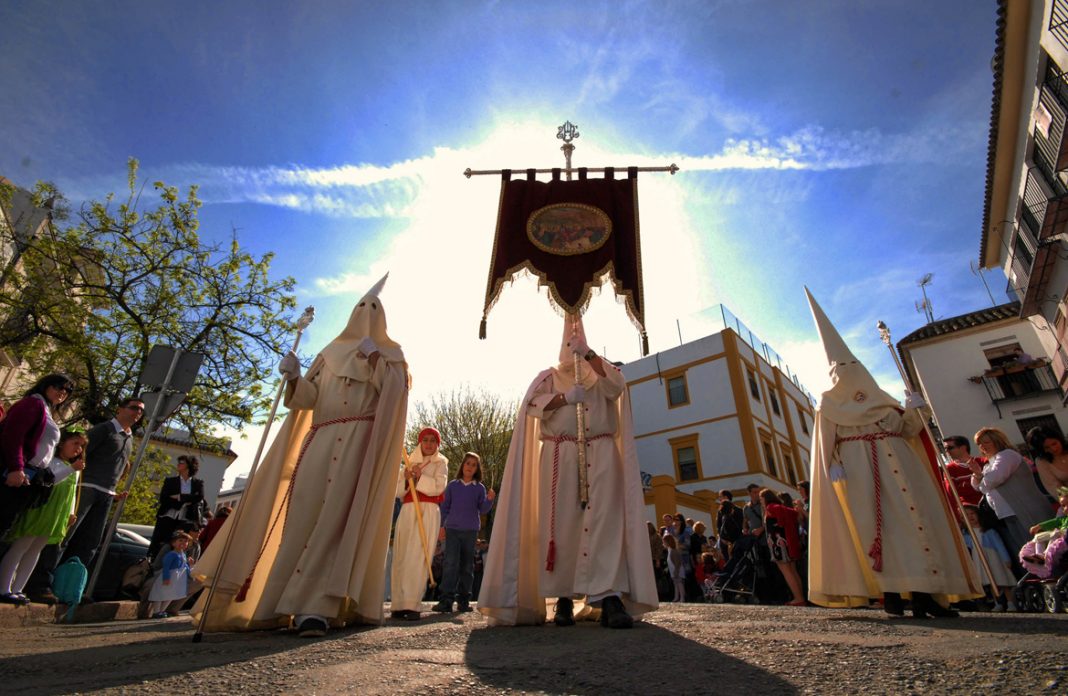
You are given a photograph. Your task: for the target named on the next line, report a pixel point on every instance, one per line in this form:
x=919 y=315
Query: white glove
x=837 y=473
x=575 y=394
x=914 y=400
x=578 y=346
x=367 y=346
x=290 y=366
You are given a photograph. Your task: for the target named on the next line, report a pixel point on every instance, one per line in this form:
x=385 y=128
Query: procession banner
x=570 y=235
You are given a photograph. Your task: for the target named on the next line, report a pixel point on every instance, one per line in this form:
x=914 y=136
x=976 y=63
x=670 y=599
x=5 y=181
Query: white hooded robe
x=321 y=548
x=601 y=549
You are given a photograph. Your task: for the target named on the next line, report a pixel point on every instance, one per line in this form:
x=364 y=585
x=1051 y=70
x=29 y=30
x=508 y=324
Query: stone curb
x=36 y=614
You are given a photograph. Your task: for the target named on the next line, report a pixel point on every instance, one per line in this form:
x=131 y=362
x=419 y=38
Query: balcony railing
x=1014 y=382
x=1058 y=22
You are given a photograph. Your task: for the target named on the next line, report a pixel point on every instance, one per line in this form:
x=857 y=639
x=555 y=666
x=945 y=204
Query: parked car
x=126 y=549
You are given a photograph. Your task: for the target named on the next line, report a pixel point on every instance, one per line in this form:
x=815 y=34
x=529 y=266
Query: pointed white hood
x=368 y=318
x=573 y=329
x=856 y=398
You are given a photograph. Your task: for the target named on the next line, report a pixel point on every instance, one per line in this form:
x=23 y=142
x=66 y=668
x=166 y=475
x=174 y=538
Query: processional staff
x=302 y=323
x=418 y=516
x=884 y=334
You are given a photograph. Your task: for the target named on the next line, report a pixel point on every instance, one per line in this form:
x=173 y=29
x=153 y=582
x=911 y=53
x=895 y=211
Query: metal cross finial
x=884 y=332
x=567 y=132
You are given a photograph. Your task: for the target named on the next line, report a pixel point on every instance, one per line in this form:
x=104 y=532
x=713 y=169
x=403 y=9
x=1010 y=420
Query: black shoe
x=614 y=615
x=14 y=598
x=411 y=615
x=565 y=612
x=312 y=627
x=43 y=597
x=892 y=604
x=924 y=605
x=463 y=607
x=442 y=607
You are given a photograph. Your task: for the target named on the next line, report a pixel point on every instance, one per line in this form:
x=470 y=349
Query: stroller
x=1045 y=586
x=737 y=581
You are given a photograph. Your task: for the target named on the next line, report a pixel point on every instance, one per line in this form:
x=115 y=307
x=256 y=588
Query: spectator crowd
x=59 y=486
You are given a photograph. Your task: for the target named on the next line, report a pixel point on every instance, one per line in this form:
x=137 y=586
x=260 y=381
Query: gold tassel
x=482 y=328
x=645 y=344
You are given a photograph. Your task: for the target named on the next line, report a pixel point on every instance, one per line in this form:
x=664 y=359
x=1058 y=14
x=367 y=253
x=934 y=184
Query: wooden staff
x=884 y=334
x=418 y=517
x=302 y=323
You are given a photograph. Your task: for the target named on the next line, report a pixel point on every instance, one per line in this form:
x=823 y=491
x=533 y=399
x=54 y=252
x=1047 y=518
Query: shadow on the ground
x=125 y=663
x=588 y=659
x=1022 y=623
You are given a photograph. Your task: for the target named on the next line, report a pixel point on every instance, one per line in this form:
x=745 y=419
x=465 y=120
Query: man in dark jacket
x=729 y=522
x=181 y=503
x=107 y=461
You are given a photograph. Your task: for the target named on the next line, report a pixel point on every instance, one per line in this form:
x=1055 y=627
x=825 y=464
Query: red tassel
x=876 y=553
x=243 y=592
x=550 y=560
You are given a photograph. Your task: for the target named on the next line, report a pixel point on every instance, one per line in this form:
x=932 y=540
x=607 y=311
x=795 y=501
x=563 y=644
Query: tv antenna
x=978 y=270
x=925 y=306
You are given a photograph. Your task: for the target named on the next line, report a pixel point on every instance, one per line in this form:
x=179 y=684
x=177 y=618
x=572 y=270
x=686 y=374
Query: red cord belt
x=876 y=550
x=243 y=591
x=550 y=559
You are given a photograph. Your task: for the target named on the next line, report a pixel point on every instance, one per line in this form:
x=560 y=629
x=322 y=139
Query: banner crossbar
x=671 y=168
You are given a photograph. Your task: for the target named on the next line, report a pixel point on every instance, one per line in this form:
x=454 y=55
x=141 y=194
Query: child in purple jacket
x=466 y=500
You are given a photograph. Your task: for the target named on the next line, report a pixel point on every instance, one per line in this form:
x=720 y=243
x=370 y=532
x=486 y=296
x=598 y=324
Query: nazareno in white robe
x=604 y=548
x=408 y=575
x=320 y=550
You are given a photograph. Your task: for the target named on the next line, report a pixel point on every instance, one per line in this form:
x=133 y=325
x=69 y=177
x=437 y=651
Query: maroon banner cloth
x=569 y=234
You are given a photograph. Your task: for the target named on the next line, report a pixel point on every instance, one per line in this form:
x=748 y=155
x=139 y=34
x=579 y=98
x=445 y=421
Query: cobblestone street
x=680 y=649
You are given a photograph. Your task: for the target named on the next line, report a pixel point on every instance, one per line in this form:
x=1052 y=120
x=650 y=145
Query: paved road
x=694 y=648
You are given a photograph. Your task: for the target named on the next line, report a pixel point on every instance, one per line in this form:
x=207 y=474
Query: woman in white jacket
x=1008 y=485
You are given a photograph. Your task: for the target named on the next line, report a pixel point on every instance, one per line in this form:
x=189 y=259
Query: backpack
x=69 y=584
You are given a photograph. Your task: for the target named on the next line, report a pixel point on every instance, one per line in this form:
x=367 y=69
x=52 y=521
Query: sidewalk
x=12 y=616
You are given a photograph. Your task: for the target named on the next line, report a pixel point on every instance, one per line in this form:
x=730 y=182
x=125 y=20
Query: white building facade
x=968 y=373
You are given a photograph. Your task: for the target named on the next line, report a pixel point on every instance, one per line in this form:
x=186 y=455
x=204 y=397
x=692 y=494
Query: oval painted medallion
x=567 y=229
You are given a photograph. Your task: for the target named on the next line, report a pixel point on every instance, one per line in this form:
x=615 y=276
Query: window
x=687 y=456
x=804 y=421
x=1002 y=355
x=1047 y=422
x=754 y=389
x=678 y=394
x=774 y=402
x=788 y=462
x=769 y=457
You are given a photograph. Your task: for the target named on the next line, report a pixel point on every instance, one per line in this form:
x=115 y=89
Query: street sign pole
x=150 y=428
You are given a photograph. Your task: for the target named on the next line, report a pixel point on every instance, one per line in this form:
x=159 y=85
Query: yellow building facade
x=717 y=413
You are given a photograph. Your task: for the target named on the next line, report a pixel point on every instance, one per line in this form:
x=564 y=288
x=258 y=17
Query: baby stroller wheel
x=1019 y=596
x=1035 y=599
x=1053 y=600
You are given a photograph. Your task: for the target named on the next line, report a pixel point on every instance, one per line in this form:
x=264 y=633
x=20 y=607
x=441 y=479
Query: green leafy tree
x=469 y=421
x=143 y=502
x=105 y=283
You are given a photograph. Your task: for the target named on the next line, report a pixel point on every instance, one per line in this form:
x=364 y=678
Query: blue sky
x=839 y=145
